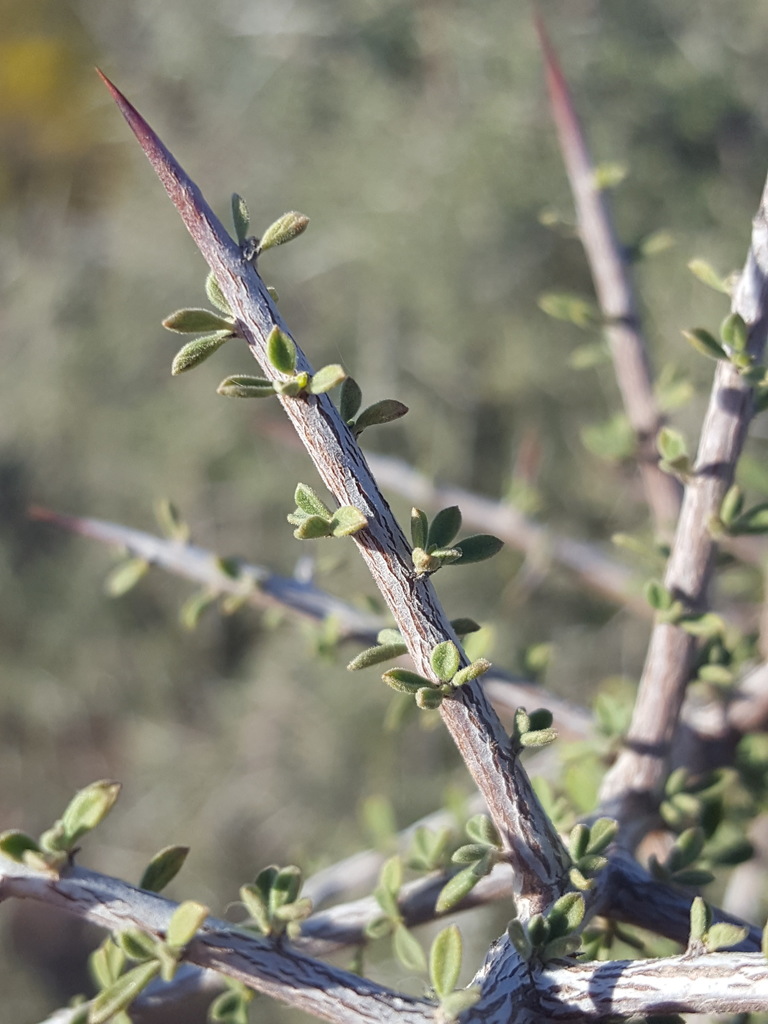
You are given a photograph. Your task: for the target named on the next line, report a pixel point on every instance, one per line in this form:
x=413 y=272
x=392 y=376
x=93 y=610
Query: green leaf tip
x=197 y=321
x=197 y=351
x=283 y=230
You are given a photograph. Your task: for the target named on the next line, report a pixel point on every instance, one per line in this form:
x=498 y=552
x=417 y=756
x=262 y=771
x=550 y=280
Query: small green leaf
x=732 y=505
x=695 y=877
x=197 y=321
x=573 y=308
x=539 y=738
x=428 y=699
x=657 y=596
x=405 y=681
x=444 y=527
x=347 y=520
x=734 y=332
x=170 y=521
x=308 y=501
x=163 y=868
x=478 y=547
x=281 y=351
x=708 y=625
x=121 y=993
x=471 y=853
x=14 y=844
x=137 y=945
x=285 y=888
x=89 y=808
x=723 y=936
x=701 y=918
x=705 y=272
x=197 y=351
x=445 y=961
x=216 y=295
x=194 y=606
x=456 y=889
x=463 y=627
x=312 y=528
x=350 y=399
x=245 y=386
x=566 y=915
x=125 y=576
x=601 y=834
x=518 y=936
x=482 y=830
x=540 y=718
x=754 y=520
x=283 y=230
x=376 y=655
x=671 y=444
x=453 y=1005
x=578 y=841
x=445 y=660
x=424 y=563
x=240 y=217
x=465 y=675
x=705 y=343
x=391 y=875
x=419 y=528
x=326 y=378
x=408 y=950
x=385 y=411
x=106 y=963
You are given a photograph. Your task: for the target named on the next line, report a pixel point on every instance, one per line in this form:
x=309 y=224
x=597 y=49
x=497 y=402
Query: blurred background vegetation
x=417 y=138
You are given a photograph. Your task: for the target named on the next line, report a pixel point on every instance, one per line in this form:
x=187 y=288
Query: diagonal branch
x=532 y=844
x=615 y=294
x=640 y=769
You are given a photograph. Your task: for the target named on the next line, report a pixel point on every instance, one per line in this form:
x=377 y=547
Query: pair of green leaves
x=350 y=400
x=733 y=518
x=587 y=845
x=550 y=936
x=119 y=987
x=433 y=542
x=478 y=859
x=273 y=901
x=671 y=610
x=86 y=810
x=213 y=329
x=445 y=662
x=283 y=356
x=312 y=517
x=532 y=729
x=283 y=230
x=708 y=937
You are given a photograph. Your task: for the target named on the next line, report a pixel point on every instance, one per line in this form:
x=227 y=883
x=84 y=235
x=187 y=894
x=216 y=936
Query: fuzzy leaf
x=471 y=853
x=444 y=527
x=408 y=950
x=754 y=520
x=106 y=963
x=89 y=808
x=518 y=936
x=375 y=655
x=308 y=501
x=163 y=868
x=405 y=681
x=197 y=351
x=245 y=386
x=419 y=528
x=482 y=830
x=455 y=890
x=445 y=961
x=385 y=411
x=285 y=888
x=601 y=834
x=281 y=351
x=14 y=844
x=350 y=399
x=347 y=520
x=671 y=444
x=463 y=627
x=283 y=230
x=539 y=738
x=428 y=699
x=705 y=343
x=240 y=217
x=216 y=295
x=706 y=273
x=578 y=841
x=122 y=992
x=312 y=528
x=465 y=675
x=732 y=505
x=701 y=918
x=445 y=660
x=723 y=936
x=326 y=378
x=453 y=1005
x=478 y=547
x=137 y=945
x=125 y=576
x=569 y=307
x=197 y=321
x=566 y=915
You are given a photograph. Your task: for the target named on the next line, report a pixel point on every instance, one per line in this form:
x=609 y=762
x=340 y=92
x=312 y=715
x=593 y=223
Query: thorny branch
x=638 y=773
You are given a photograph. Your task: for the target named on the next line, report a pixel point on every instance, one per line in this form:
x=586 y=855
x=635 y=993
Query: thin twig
x=615 y=295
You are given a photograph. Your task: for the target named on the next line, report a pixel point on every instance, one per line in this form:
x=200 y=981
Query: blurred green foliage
x=418 y=139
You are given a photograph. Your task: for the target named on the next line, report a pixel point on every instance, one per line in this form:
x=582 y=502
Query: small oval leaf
x=445 y=660
x=350 y=398
x=445 y=961
x=444 y=527
x=385 y=411
x=281 y=351
x=197 y=351
x=245 y=386
x=326 y=378
x=163 y=868
x=283 y=230
x=478 y=547
x=196 y=321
